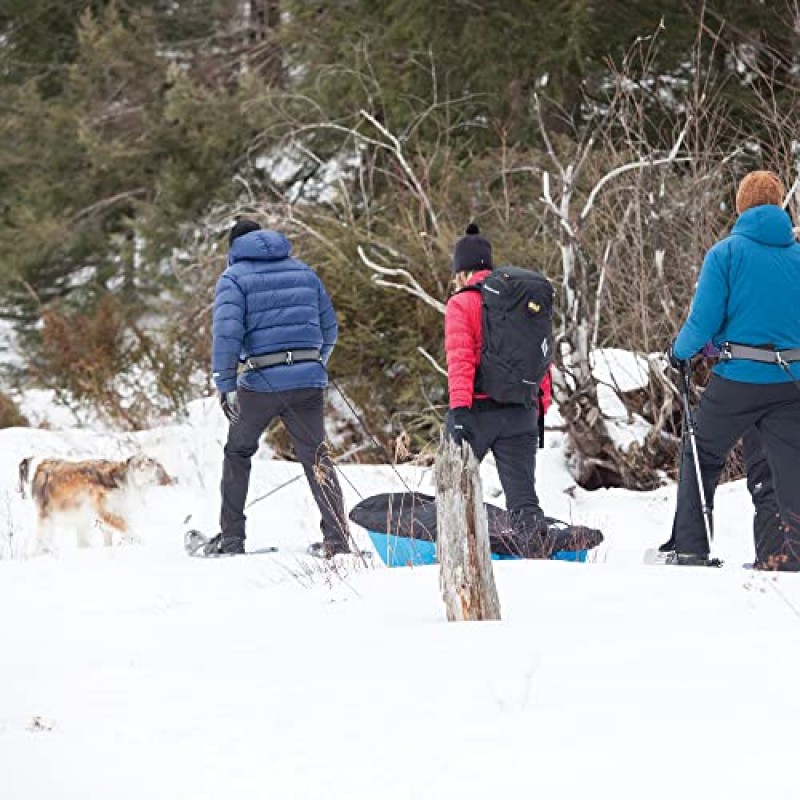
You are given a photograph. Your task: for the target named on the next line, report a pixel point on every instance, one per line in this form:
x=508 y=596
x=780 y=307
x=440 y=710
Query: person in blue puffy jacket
x=747 y=303
x=274 y=329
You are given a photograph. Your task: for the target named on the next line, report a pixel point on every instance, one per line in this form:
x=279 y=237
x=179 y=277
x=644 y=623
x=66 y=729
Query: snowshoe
x=671 y=558
x=692 y=560
x=198 y=544
x=328 y=548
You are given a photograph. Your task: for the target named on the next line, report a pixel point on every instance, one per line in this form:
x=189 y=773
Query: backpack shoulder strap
x=473 y=287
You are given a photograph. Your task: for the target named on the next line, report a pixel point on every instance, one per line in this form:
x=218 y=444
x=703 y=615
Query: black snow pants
x=301 y=411
x=511 y=432
x=727 y=411
x=767 y=532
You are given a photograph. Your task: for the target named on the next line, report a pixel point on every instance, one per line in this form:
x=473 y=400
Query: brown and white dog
x=86 y=494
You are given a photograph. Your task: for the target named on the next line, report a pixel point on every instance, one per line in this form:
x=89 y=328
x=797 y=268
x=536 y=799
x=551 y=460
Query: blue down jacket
x=268 y=302
x=748 y=293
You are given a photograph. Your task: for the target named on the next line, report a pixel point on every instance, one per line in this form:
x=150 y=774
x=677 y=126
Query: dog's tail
x=25 y=475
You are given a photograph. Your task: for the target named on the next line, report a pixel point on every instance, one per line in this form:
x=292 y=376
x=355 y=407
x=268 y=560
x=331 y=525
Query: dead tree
x=594 y=459
x=462 y=547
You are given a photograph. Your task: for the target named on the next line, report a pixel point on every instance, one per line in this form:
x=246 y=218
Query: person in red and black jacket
x=510 y=431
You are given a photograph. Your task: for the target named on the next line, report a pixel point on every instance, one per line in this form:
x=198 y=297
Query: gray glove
x=230 y=406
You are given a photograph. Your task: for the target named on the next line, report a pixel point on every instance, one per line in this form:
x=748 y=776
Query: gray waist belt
x=285 y=357
x=729 y=351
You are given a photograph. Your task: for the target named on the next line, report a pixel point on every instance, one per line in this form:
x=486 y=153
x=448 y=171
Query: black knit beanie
x=472 y=252
x=242 y=227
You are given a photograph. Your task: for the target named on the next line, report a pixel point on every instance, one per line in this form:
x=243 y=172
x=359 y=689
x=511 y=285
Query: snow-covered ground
x=136 y=672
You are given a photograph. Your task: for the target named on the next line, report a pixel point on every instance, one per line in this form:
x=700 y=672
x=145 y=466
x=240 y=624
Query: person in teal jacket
x=747 y=303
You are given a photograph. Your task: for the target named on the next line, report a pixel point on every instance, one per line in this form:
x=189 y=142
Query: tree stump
x=462 y=537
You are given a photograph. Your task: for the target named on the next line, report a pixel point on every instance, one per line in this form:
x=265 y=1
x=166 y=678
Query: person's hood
x=260 y=246
x=768 y=225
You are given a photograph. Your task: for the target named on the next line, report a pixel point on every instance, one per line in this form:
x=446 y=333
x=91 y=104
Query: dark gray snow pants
x=511 y=432
x=727 y=411
x=301 y=411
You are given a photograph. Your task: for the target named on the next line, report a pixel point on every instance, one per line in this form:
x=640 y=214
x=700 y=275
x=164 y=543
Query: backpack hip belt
x=283 y=357
x=766 y=355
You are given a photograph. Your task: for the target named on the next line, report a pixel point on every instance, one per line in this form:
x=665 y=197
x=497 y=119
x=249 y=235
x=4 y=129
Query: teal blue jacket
x=748 y=293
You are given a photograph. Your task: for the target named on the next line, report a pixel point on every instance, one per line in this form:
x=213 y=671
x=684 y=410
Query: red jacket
x=462 y=343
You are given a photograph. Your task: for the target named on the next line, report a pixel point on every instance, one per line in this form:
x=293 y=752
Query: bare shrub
x=10 y=415
x=105 y=360
x=81 y=354
x=331 y=573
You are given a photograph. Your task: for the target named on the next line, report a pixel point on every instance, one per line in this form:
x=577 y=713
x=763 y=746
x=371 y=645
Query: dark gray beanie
x=242 y=227
x=472 y=252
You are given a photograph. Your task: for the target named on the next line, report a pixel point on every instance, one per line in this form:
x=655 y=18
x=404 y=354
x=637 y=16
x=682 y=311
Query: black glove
x=676 y=363
x=230 y=406
x=463 y=429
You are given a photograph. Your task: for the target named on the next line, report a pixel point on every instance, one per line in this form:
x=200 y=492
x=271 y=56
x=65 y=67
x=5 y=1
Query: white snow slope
x=136 y=672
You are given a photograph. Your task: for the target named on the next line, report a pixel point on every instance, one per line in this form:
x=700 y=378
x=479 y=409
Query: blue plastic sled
x=403 y=551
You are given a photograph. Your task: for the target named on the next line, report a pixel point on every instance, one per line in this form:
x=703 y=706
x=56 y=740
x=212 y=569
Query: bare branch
x=304 y=226
x=432 y=361
x=107 y=202
x=614 y=173
x=791 y=192
x=397 y=149
x=583 y=154
x=547 y=199
x=412 y=287
x=551 y=151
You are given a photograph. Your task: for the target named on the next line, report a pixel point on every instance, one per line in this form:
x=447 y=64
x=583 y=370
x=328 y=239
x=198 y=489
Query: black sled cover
x=413 y=515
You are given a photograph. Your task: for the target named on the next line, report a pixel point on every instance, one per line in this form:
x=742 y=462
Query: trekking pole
x=691 y=432
x=375 y=441
x=336 y=468
x=290 y=481
x=274 y=490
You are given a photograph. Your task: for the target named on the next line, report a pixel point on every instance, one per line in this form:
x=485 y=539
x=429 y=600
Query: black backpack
x=517 y=323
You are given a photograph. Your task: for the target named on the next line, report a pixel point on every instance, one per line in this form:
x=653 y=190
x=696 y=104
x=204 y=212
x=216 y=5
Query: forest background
x=597 y=141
